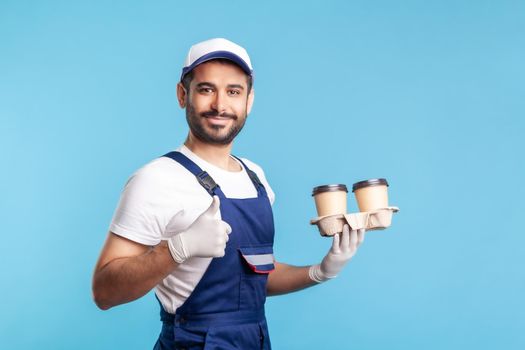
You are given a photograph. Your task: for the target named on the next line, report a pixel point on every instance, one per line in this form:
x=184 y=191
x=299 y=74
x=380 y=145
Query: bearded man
x=197 y=226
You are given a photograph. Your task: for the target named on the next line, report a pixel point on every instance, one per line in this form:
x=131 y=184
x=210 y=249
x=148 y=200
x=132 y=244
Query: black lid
x=329 y=188
x=367 y=183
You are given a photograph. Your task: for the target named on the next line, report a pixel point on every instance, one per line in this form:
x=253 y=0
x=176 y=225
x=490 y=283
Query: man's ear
x=251 y=97
x=182 y=95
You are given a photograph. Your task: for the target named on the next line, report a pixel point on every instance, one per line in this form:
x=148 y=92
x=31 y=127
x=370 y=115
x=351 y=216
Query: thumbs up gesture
x=205 y=238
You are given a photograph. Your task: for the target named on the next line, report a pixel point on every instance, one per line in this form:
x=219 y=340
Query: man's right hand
x=205 y=238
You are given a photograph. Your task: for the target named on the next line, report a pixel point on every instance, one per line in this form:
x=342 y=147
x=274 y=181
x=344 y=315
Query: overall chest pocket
x=258 y=262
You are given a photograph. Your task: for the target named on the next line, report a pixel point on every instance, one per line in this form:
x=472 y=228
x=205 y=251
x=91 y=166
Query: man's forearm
x=125 y=279
x=287 y=278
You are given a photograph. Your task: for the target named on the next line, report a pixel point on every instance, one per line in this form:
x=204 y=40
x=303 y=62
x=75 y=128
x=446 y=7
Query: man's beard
x=196 y=124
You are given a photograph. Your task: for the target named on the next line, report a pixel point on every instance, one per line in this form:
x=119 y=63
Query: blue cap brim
x=218 y=54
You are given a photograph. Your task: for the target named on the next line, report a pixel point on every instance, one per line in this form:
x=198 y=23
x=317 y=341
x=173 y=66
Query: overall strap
x=202 y=176
x=253 y=176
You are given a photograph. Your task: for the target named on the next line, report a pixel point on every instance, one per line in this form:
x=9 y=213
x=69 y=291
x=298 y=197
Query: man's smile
x=217 y=116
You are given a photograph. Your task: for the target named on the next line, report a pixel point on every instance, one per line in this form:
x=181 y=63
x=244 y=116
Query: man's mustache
x=216 y=114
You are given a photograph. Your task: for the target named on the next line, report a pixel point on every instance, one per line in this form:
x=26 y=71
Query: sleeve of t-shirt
x=145 y=207
x=260 y=173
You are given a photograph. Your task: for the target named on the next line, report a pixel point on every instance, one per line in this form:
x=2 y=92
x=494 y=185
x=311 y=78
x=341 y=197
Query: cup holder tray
x=373 y=220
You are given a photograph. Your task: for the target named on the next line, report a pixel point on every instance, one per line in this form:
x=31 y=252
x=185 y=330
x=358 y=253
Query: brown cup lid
x=367 y=183
x=329 y=188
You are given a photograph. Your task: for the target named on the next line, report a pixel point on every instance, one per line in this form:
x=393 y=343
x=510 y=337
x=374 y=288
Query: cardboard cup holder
x=378 y=219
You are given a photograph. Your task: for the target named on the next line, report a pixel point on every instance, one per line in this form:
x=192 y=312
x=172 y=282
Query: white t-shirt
x=162 y=199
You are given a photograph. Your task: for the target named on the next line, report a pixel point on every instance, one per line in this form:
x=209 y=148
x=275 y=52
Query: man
x=197 y=223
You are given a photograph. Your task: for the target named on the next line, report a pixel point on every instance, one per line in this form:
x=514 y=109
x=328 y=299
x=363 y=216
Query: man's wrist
x=316 y=274
x=176 y=248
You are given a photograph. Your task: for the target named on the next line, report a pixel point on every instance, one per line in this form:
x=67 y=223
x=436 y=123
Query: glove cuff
x=316 y=275
x=176 y=248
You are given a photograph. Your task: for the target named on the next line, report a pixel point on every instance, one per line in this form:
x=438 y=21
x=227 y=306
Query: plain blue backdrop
x=428 y=94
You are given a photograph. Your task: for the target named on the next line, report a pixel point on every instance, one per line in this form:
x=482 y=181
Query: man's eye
x=234 y=92
x=206 y=90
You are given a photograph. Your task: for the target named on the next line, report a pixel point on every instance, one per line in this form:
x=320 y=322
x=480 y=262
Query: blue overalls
x=226 y=309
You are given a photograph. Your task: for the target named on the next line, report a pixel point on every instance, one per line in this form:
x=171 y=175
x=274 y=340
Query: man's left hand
x=344 y=247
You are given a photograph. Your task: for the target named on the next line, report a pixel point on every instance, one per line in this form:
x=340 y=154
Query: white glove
x=344 y=247
x=206 y=237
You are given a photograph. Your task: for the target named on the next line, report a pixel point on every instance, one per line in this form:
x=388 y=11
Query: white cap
x=217 y=48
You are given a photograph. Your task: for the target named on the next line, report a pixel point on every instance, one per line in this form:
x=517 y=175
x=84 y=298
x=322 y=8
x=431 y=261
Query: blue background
x=428 y=94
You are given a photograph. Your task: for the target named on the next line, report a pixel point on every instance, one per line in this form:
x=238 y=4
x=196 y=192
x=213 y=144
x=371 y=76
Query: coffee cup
x=371 y=194
x=330 y=199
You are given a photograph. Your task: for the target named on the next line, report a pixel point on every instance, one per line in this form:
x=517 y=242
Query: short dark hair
x=189 y=77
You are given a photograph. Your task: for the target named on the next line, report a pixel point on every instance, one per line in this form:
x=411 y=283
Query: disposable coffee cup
x=371 y=194
x=330 y=199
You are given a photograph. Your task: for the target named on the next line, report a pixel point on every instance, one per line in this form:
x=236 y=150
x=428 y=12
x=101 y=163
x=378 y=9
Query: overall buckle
x=255 y=179
x=207 y=182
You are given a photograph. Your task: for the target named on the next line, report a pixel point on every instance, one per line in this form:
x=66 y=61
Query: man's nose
x=219 y=102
